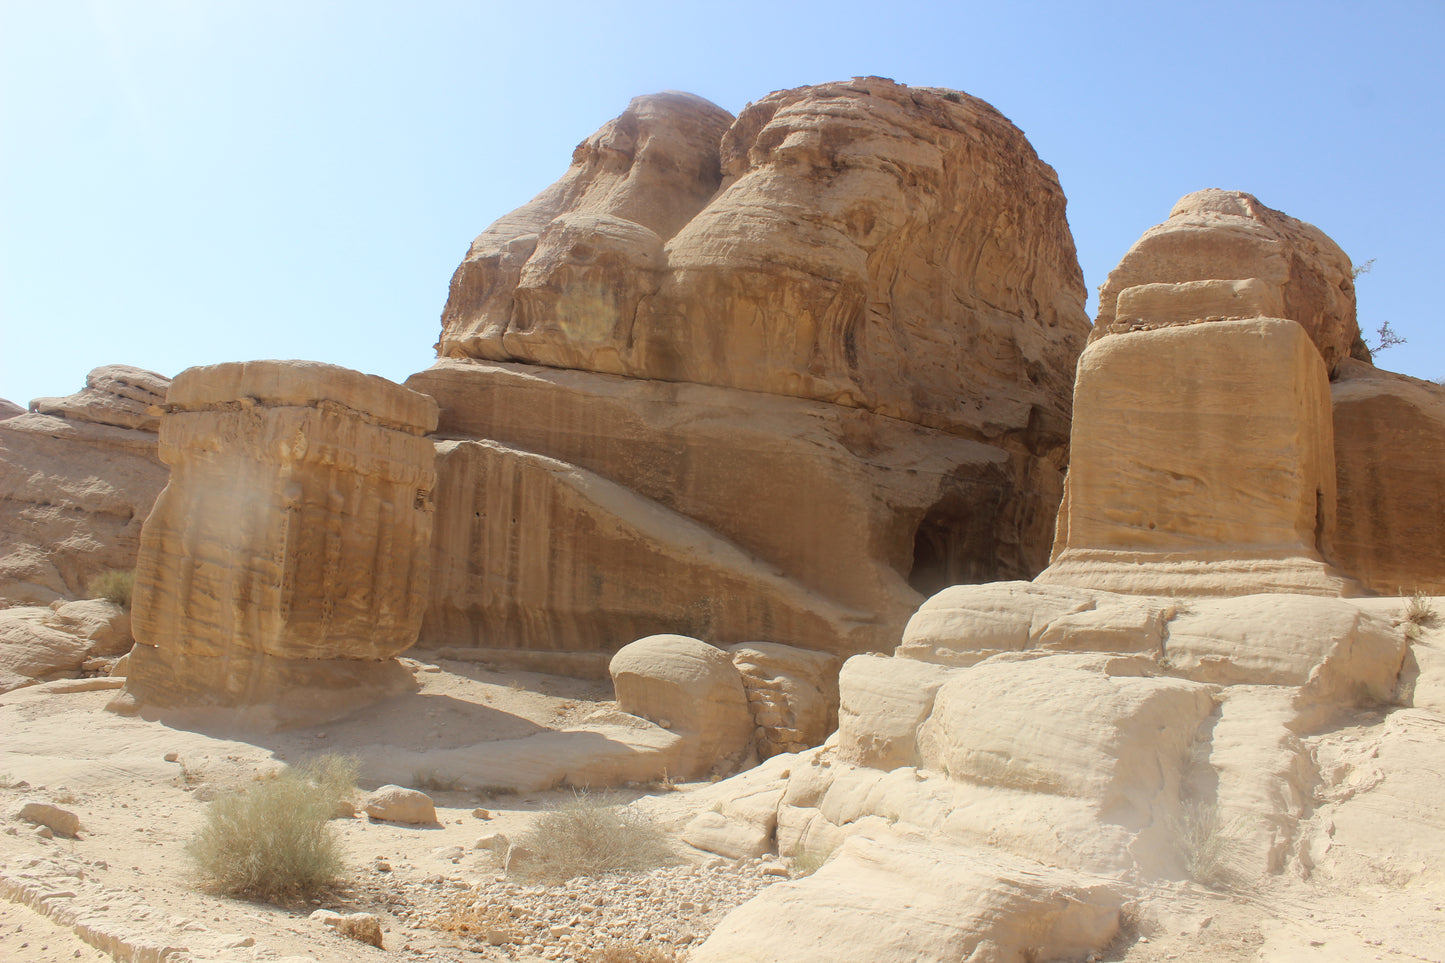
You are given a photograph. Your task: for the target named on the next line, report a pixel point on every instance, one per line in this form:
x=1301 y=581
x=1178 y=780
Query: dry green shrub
x=272 y=841
x=114 y=586
x=587 y=837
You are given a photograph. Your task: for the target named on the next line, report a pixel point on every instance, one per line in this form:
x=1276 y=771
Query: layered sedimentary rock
x=1390 y=479
x=1223 y=254
x=290 y=548
x=739 y=495
x=854 y=301
x=78 y=475
x=868 y=244
x=1202 y=464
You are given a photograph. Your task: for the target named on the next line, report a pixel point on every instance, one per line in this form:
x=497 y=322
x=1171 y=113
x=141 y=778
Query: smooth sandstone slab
x=890 y=899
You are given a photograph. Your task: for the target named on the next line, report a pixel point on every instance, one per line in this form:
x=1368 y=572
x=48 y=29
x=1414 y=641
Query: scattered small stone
x=172 y=757
x=44 y=832
x=62 y=821
x=398 y=804
x=362 y=927
x=495 y=842
x=482 y=813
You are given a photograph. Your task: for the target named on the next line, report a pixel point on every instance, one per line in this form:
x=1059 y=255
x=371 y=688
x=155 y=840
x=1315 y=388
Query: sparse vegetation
x=1385 y=337
x=114 y=586
x=433 y=781
x=1419 y=609
x=810 y=859
x=587 y=837
x=1204 y=839
x=7 y=781
x=631 y=953
x=272 y=841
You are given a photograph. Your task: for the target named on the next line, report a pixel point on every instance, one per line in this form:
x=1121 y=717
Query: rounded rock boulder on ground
x=690 y=687
x=397 y=804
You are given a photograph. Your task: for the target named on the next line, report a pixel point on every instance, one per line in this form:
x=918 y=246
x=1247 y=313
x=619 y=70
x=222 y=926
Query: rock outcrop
x=1041 y=741
x=1203 y=463
x=1223 y=254
x=646 y=481
x=863 y=295
x=286 y=563
x=43 y=643
x=78 y=476
x=1390 y=478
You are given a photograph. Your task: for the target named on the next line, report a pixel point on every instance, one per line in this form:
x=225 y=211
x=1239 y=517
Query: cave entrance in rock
x=956 y=544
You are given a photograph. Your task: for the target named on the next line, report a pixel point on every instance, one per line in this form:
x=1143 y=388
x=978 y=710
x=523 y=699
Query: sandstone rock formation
x=1202 y=464
x=78 y=476
x=286 y=562
x=1224 y=254
x=1390 y=476
x=689 y=687
x=42 y=643
x=864 y=294
x=1038 y=741
x=587 y=473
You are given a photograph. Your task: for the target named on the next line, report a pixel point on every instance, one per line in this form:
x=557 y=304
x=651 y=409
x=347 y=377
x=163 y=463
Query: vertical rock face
x=837 y=332
x=1390 y=472
x=78 y=475
x=1224 y=254
x=294 y=533
x=1202 y=464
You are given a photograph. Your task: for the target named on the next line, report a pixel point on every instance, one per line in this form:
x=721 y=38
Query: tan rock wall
x=1390 y=476
x=859 y=512
x=78 y=476
x=1202 y=464
x=296 y=525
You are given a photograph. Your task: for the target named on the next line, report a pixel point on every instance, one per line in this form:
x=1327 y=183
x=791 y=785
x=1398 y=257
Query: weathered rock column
x=1202 y=464
x=286 y=563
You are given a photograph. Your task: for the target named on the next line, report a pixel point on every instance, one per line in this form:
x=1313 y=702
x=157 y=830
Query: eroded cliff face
x=834 y=335
x=287 y=559
x=78 y=475
x=1223 y=254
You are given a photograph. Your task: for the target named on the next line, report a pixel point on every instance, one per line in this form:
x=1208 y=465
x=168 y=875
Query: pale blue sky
x=184 y=183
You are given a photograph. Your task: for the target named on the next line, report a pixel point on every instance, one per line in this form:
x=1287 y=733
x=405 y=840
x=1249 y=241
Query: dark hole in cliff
x=955 y=544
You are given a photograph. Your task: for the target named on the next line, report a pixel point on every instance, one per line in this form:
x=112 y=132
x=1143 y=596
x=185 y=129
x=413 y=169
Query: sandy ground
x=138 y=810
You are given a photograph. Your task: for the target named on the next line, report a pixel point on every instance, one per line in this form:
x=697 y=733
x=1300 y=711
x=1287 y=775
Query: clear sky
x=185 y=182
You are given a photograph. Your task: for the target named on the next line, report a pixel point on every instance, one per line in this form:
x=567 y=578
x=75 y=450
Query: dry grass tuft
x=587 y=837
x=114 y=586
x=1204 y=839
x=1420 y=609
x=810 y=859
x=631 y=953
x=272 y=842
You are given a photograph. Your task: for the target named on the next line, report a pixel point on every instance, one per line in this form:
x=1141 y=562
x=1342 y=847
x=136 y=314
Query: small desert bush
x=587 y=837
x=433 y=781
x=114 y=586
x=1420 y=609
x=1204 y=839
x=809 y=859
x=272 y=841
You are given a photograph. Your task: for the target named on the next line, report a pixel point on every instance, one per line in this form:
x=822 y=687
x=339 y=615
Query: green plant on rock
x=115 y=586
x=272 y=841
